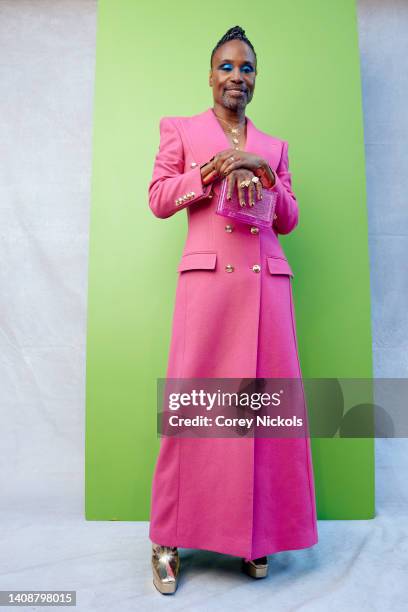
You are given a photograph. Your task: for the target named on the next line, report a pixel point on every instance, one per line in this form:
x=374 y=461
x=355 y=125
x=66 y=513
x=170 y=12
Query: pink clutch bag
x=260 y=214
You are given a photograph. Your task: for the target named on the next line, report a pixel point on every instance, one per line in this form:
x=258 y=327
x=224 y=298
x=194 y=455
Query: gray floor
x=46 y=98
x=356 y=565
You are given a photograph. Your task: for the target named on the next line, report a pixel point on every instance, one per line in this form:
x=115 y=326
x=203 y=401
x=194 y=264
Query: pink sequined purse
x=259 y=215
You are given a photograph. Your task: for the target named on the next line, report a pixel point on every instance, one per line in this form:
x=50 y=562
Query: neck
x=234 y=117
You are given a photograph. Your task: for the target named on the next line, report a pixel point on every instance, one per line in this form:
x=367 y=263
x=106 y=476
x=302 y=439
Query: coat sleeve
x=171 y=189
x=286 y=210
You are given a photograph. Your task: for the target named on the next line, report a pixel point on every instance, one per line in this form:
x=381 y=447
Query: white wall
x=383 y=39
x=47 y=60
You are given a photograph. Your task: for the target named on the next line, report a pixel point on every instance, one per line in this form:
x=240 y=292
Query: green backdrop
x=153 y=60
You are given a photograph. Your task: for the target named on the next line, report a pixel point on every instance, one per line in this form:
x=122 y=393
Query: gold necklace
x=235 y=132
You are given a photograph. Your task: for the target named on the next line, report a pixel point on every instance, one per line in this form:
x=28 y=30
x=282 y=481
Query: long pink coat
x=247 y=497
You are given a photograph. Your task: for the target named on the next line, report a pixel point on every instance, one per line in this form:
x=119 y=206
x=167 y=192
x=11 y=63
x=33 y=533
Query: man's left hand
x=242 y=159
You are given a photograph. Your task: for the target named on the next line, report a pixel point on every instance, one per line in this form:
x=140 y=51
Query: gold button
x=229 y=228
x=185 y=196
x=275 y=216
x=256 y=268
x=193 y=193
x=193 y=164
x=254 y=230
x=229 y=268
x=178 y=202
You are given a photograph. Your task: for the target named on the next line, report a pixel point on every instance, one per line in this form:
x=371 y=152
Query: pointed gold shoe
x=257 y=568
x=166 y=568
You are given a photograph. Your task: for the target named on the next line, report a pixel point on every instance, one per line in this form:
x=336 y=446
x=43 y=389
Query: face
x=232 y=75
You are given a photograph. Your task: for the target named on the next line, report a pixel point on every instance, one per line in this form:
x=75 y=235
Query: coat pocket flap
x=197 y=261
x=277 y=265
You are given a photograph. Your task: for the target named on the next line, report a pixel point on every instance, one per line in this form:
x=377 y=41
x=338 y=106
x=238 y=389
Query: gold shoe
x=257 y=568
x=166 y=568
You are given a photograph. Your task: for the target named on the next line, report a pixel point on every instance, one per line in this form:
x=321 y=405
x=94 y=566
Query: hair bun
x=236 y=30
x=234 y=33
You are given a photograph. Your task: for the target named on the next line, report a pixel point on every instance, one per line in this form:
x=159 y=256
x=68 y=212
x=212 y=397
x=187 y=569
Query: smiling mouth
x=239 y=91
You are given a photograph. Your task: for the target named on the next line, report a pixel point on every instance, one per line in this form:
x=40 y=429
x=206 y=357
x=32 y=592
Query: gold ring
x=255 y=179
x=232 y=158
x=245 y=183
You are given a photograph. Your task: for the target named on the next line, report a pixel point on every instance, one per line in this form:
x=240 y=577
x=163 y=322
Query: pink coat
x=247 y=497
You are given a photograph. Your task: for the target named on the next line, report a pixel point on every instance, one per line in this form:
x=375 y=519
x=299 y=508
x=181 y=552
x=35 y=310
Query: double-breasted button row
x=230 y=268
x=229 y=228
x=184 y=198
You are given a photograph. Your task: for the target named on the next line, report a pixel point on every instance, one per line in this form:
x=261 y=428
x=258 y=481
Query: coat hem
x=265 y=547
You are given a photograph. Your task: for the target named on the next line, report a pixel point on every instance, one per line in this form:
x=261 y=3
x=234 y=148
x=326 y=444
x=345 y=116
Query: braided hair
x=235 y=33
